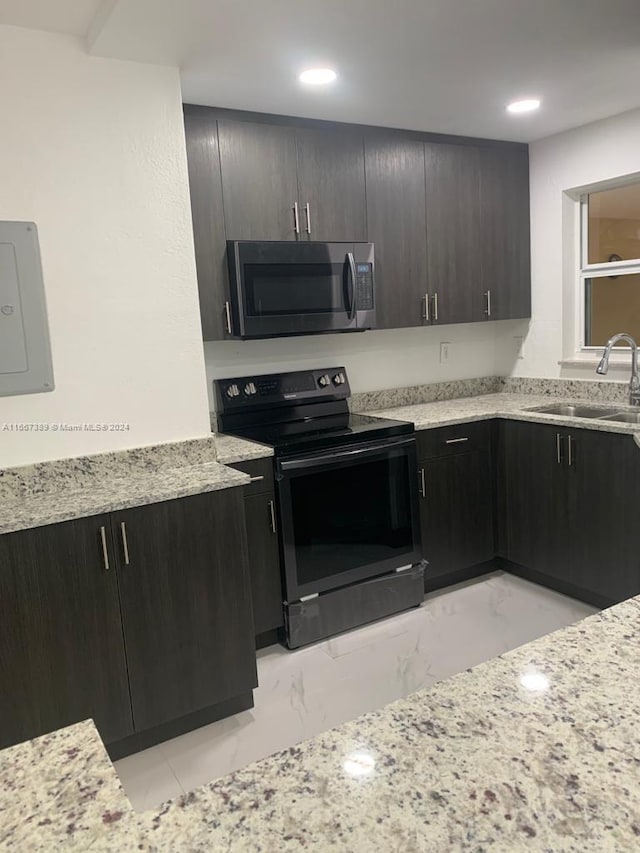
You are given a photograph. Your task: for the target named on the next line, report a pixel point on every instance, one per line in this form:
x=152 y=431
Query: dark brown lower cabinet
x=264 y=553
x=135 y=619
x=569 y=502
x=186 y=604
x=62 y=656
x=456 y=501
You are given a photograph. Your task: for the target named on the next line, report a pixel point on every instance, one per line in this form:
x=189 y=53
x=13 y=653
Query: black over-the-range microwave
x=287 y=288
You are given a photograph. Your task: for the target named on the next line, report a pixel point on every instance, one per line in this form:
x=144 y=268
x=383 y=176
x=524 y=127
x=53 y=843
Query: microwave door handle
x=352 y=277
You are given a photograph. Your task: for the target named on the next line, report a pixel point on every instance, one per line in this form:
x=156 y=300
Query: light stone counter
x=231 y=449
x=536 y=750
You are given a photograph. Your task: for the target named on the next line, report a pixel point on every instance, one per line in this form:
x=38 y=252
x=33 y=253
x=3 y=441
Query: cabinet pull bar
x=227 y=311
x=307 y=212
x=569 y=450
x=296 y=218
x=435 y=306
x=559 y=448
x=272 y=515
x=456 y=440
x=423 y=484
x=425 y=313
x=487 y=310
x=125 y=544
x=256 y=479
x=105 y=553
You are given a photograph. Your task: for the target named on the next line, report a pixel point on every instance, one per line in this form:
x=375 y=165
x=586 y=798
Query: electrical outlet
x=519 y=346
x=444 y=352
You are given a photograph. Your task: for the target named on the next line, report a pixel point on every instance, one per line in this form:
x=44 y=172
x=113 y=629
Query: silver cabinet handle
x=456 y=440
x=435 y=306
x=256 y=479
x=272 y=515
x=559 y=448
x=487 y=310
x=425 y=314
x=125 y=544
x=227 y=311
x=105 y=553
x=296 y=218
x=423 y=484
x=569 y=450
x=307 y=213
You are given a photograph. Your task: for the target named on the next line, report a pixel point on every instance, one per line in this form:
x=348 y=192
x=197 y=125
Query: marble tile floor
x=306 y=692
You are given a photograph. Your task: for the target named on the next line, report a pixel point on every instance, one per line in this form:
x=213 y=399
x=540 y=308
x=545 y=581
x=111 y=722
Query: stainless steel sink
x=570 y=411
x=623 y=418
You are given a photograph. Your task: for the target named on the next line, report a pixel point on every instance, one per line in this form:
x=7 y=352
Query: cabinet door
x=264 y=562
x=604 y=491
x=61 y=648
x=205 y=187
x=186 y=604
x=397 y=227
x=331 y=182
x=534 y=498
x=259 y=180
x=505 y=258
x=453 y=230
x=456 y=512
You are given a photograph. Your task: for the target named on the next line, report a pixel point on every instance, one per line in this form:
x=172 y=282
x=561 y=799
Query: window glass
x=612 y=305
x=614 y=225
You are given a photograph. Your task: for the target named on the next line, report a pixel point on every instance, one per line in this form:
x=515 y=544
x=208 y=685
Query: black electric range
x=346 y=497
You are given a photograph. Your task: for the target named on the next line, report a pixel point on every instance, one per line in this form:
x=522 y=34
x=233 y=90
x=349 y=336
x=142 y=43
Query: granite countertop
x=508 y=406
x=534 y=750
x=231 y=449
x=111 y=494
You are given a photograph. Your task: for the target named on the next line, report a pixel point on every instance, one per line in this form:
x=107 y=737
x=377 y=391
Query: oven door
x=286 y=288
x=348 y=514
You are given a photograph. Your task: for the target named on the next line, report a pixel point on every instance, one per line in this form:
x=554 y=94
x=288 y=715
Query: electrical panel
x=25 y=352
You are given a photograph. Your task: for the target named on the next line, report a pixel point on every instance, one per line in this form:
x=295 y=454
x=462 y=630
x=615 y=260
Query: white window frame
x=602 y=270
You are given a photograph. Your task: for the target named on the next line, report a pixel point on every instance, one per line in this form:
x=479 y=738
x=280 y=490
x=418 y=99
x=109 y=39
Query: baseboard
x=459 y=576
x=569 y=589
x=143 y=740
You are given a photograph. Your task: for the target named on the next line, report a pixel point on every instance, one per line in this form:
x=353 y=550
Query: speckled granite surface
x=111 y=494
x=231 y=449
x=431 y=393
x=536 y=750
x=508 y=406
x=60 y=792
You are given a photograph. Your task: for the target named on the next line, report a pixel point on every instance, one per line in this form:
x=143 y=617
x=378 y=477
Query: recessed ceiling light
x=318 y=76
x=525 y=106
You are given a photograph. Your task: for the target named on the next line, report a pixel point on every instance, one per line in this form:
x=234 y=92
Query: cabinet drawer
x=262 y=470
x=460 y=438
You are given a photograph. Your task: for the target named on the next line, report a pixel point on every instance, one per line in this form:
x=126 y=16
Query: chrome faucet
x=634 y=384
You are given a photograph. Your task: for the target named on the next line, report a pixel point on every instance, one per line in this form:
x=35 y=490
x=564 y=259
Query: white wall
x=93 y=151
x=597 y=152
x=377 y=359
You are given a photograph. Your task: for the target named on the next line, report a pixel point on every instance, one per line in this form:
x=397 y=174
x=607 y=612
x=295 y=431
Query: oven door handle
x=331 y=459
x=351 y=261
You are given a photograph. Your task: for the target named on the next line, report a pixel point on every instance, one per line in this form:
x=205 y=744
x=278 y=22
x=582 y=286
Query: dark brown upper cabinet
x=449 y=217
x=331 y=190
x=258 y=164
x=452 y=174
x=396 y=217
x=505 y=266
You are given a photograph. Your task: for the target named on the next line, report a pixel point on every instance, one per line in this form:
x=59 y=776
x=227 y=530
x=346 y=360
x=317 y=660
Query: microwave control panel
x=364 y=286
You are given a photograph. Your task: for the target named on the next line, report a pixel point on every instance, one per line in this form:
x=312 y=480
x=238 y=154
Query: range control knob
x=233 y=391
x=339 y=379
x=249 y=389
x=324 y=380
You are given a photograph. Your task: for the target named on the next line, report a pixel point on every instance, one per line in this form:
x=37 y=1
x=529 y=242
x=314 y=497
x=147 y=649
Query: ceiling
x=440 y=65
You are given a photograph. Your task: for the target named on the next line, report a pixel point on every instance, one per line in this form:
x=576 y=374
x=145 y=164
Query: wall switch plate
x=444 y=352
x=519 y=346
